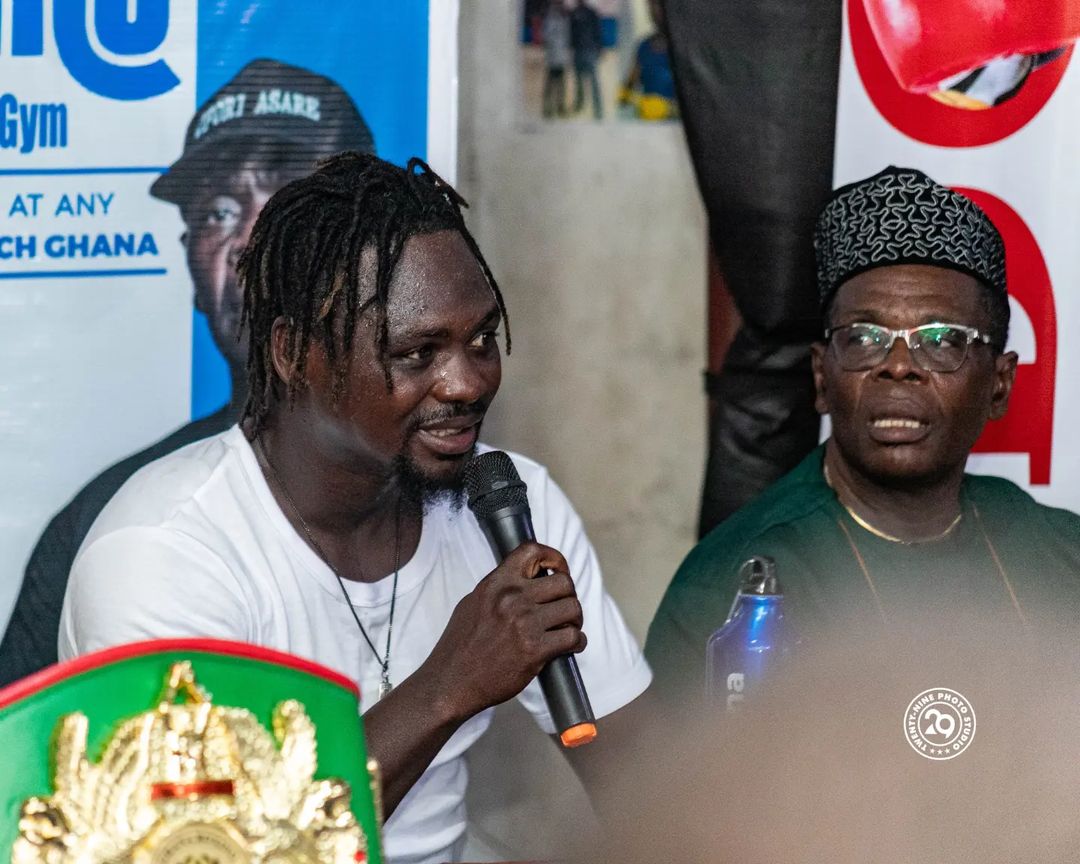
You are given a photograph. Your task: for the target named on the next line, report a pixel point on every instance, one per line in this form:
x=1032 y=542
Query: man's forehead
x=909 y=291
x=405 y=320
x=245 y=177
x=440 y=254
x=436 y=274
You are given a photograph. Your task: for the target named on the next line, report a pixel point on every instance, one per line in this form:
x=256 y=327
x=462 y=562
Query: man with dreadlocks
x=328 y=523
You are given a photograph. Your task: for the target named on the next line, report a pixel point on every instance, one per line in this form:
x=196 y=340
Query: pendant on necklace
x=385 y=686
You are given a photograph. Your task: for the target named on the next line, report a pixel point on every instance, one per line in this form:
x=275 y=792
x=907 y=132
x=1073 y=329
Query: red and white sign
x=982 y=95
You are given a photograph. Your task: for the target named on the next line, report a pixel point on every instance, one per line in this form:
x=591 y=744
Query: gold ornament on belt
x=191 y=783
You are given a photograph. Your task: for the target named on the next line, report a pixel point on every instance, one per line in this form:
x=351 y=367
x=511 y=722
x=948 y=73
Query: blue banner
x=138 y=141
x=377 y=52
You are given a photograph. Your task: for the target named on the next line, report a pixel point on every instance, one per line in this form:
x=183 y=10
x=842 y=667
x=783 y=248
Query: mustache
x=449 y=411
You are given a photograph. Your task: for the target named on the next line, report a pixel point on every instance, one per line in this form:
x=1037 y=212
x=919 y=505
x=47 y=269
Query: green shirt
x=838 y=578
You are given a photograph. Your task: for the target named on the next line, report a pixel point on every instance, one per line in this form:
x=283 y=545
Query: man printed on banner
x=266 y=126
x=966 y=53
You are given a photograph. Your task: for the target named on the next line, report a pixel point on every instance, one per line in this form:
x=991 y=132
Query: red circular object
x=925 y=119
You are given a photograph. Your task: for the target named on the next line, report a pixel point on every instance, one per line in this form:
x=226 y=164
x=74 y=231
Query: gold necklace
x=877 y=532
x=989 y=545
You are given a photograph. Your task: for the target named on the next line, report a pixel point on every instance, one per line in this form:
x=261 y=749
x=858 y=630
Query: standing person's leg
x=560 y=91
x=548 y=92
x=598 y=105
x=579 y=87
x=553 y=86
x=757 y=88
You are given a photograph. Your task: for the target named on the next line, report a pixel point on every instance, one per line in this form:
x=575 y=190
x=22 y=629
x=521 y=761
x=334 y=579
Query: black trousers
x=757 y=82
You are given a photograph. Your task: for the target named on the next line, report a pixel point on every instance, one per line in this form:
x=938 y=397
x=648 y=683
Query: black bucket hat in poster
x=311 y=115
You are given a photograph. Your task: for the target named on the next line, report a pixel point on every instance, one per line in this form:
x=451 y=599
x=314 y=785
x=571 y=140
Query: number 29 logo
x=939 y=724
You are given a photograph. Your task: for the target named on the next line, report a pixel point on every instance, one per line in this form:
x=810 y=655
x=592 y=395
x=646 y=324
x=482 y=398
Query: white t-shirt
x=195 y=544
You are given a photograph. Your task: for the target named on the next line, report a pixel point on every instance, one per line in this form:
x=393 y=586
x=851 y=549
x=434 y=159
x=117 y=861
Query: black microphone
x=497 y=498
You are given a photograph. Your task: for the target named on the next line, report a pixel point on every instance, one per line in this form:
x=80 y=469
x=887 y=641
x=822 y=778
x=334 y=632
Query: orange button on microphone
x=575 y=736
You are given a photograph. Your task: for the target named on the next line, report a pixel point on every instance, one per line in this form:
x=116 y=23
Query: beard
x=428 y=491
x=431 y=490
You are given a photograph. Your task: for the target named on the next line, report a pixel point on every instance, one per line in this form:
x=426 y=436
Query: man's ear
x=280 y=335
x=1004 y=378
x=817 y=362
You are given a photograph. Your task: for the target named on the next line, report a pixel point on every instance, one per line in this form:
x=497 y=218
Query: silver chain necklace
x=384 y=662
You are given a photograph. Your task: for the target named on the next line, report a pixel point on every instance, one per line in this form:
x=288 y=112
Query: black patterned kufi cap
x=901 y=216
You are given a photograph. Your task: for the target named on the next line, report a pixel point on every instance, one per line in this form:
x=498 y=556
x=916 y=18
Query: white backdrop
x=94 y=367
x=1023 y=153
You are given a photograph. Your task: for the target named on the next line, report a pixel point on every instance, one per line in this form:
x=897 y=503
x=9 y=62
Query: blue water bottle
x=740 y=654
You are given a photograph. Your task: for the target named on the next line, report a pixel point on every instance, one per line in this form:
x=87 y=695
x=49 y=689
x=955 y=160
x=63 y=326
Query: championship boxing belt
x=928 y=41
x=182 y=751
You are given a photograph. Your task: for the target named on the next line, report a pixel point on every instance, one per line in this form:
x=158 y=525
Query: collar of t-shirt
x=410 y=574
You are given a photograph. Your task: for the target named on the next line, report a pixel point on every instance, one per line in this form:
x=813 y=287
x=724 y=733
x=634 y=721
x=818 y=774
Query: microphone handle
x=560 y=680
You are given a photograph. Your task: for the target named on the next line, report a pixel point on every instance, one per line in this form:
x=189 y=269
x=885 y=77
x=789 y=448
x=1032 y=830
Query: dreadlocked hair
x=303 y=262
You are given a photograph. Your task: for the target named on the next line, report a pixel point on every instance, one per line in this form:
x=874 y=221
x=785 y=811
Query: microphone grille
x=493 y=483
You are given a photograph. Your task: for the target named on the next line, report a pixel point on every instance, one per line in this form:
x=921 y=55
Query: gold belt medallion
x=191 y=782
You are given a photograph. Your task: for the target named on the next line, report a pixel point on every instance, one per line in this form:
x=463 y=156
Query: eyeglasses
x=935 y=347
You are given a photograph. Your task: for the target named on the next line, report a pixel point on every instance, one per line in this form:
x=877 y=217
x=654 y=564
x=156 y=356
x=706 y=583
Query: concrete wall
x=596 y=234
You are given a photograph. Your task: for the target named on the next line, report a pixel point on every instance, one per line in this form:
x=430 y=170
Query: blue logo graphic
x=117 y=34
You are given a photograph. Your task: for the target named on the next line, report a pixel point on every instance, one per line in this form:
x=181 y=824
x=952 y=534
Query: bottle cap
x=758 y=576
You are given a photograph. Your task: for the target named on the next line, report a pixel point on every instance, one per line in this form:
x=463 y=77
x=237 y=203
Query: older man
x=880 y=529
